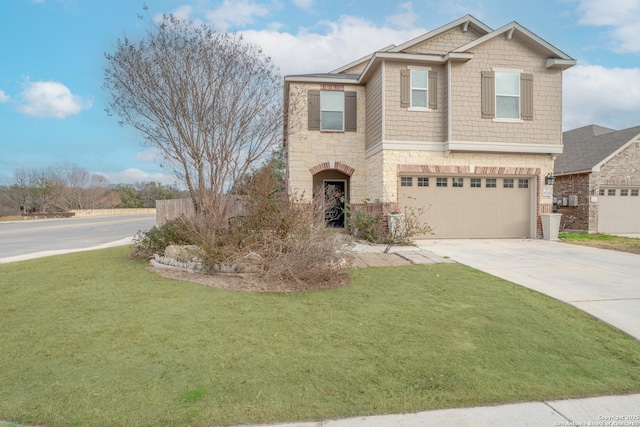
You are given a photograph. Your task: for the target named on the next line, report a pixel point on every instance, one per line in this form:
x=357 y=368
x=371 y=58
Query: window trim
x=495 y=118
x=411 y=69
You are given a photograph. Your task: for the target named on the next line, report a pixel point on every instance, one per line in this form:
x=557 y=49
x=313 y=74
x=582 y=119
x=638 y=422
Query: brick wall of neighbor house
x=445 y=42
x=307 y=149
x=404 y=125
x=467 y=123
x=623 y=169
x=374 y=109
x=574 y=218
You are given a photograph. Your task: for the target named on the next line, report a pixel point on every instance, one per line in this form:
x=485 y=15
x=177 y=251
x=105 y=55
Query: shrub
x=156 y=240
x=280 y=235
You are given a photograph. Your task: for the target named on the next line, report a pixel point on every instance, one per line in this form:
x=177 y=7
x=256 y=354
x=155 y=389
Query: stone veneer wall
x=309 y=152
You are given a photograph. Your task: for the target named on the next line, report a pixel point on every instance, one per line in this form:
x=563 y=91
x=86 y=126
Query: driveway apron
x=603 y=283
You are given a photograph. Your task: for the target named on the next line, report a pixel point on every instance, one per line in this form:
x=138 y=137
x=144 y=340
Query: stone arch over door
x=332 y=187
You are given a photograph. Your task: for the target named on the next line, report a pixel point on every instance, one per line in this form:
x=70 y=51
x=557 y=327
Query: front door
x=334 y=195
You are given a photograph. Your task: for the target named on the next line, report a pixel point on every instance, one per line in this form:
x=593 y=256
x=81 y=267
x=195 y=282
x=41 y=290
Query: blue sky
x=52 y=62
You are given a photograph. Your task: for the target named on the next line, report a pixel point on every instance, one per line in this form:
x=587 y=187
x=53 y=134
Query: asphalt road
x=32 y=238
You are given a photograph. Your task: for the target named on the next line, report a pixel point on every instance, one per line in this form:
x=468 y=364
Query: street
x=19 y=239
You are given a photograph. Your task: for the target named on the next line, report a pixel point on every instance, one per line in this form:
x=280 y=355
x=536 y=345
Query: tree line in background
x=67 y=187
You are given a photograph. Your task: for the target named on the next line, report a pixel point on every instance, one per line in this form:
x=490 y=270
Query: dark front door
x=334 y=195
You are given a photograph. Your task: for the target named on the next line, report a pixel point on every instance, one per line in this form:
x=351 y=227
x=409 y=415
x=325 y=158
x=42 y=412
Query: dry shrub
x=279 y=235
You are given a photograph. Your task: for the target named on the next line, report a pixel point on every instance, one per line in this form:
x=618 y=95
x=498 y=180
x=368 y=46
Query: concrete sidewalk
x=595 y=411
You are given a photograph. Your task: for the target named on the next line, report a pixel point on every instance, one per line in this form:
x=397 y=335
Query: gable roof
x=466 y=20
x=513 y=29
x=555 y=58
x=588 y=147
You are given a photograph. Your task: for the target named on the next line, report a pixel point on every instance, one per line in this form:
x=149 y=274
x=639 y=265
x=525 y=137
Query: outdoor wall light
x=549 y=179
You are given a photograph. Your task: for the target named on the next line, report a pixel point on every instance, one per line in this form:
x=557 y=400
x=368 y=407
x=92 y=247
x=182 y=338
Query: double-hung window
x=419 y=88
x=507 y=95
x=332 y=110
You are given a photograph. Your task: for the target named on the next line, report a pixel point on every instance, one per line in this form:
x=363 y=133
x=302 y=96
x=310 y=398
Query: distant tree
x=8 y=205
x=128 y=197
x=149 y=192
x=60 y=188
x=211 y=103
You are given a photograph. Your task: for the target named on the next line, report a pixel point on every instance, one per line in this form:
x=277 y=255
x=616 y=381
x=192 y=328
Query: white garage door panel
x=619 y=214
x=466 y=212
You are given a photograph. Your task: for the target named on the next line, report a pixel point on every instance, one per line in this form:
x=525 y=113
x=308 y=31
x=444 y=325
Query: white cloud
x=134 y=175
x=149 y=155
x=605 y=96
x=342 y=42
x=50 y=99
x=404 y=18
x=235 y=13
x=304 y=4
x=4 y=97
x=620 y=15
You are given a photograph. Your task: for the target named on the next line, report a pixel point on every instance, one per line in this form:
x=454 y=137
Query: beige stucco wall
x=306 y=149
x=466 y=122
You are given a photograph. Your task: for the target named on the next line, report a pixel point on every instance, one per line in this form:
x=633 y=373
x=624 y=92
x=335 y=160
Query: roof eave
x=563 y=64
x=314 y=79
x=408 y=57
x=510 y=28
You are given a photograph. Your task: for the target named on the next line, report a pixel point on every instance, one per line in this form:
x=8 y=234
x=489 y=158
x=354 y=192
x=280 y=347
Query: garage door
x=619 y=210
x=470 y=207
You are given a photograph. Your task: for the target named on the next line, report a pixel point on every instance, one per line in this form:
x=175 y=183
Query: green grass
x=93 y=339
x=603 y=241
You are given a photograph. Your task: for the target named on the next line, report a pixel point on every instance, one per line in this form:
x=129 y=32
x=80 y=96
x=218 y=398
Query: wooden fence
x=167 y=210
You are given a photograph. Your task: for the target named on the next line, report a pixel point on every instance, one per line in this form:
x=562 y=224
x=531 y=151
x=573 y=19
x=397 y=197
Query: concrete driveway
x=603 y=283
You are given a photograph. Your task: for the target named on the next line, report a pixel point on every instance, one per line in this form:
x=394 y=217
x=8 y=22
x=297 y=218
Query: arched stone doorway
x=332 y=188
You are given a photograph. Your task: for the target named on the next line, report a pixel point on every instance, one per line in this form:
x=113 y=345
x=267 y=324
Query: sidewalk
x=594 y=411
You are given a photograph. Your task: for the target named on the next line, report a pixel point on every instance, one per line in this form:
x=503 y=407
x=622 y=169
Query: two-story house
x=463 y=122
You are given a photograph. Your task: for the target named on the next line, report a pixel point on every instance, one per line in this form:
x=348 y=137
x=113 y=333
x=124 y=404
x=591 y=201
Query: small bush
x=156 y=240
x=364 y=225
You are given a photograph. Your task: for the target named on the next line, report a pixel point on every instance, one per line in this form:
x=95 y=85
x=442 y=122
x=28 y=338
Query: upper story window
x=419 y=88
x=331 y=110
x=507 y=95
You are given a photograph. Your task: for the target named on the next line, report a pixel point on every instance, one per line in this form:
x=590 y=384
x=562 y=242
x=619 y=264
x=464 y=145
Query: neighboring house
x=598 y=180
x=463 y=121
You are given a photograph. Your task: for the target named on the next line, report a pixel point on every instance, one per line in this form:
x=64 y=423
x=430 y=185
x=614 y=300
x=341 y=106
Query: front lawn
x=93 y=339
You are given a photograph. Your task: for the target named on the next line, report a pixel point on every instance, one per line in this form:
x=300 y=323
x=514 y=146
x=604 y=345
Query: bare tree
x=209 y=101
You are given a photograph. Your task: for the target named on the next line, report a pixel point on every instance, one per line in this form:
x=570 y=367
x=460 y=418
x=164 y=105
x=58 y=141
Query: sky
x=52 y=105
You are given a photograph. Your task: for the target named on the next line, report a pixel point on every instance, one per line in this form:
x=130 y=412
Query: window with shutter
x=507 y=95
x=330 y=110
x=418 y=88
